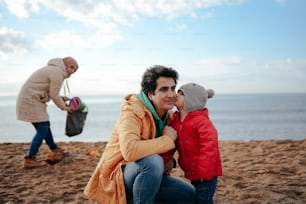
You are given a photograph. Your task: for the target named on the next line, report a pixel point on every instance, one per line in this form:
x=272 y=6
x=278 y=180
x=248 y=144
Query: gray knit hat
x=195 y=96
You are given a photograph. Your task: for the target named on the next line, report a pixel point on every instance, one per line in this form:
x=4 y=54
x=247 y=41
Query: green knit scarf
x=159 y=123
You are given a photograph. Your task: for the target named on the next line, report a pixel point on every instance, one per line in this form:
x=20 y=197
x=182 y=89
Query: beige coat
x=132 y=139
x=43 y=85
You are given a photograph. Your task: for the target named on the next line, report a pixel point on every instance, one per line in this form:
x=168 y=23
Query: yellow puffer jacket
x=133 y=138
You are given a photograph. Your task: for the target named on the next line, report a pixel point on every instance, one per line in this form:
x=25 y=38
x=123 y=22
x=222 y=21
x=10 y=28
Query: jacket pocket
x=43 y=97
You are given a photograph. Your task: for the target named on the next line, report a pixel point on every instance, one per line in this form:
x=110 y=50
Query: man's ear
x=150 y=96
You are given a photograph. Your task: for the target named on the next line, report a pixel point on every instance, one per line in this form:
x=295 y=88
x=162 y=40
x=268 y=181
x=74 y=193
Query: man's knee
x=155 y=163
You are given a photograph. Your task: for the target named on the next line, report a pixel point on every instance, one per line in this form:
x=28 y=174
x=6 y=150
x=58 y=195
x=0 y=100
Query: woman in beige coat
x=131 y=168
x=41 y=87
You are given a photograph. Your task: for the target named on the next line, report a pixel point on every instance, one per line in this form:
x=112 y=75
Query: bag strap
x=66 y=88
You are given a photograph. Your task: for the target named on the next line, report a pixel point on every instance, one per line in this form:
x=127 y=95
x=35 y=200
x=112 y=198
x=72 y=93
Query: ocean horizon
x=236 y=117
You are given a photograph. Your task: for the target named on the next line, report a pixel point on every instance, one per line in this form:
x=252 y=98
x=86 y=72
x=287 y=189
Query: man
x=131 y=168
x=41 y=87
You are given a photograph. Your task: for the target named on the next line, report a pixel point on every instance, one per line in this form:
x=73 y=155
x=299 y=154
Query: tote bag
x=75 y=120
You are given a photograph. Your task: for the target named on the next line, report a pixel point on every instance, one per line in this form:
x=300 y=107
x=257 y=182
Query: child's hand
x=169 y=166
x=170 y=132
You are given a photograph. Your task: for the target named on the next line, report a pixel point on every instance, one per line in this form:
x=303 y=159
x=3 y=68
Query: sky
x=231 y=46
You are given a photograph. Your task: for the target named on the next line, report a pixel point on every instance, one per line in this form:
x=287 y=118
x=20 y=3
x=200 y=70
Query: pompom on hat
x=195 y=96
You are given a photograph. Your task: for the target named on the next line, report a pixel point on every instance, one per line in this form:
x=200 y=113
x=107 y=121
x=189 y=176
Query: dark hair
x=149 y=78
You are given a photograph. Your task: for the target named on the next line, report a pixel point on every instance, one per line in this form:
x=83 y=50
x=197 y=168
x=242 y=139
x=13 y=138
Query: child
x=197 y=141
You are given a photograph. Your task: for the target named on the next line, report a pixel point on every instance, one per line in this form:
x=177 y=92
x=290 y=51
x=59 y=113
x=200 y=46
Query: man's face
x=165 y=96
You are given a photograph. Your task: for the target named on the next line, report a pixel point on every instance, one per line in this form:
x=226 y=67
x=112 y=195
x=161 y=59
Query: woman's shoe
x=55 y=156
x=31 y=162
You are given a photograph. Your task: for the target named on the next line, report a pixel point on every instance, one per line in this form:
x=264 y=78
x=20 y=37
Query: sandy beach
x=268 y=171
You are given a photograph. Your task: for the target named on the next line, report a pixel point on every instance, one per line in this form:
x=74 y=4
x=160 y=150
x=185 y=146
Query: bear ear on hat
x=210 y=93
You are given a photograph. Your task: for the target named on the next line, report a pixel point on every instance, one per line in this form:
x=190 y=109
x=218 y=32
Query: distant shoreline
x=237 y=117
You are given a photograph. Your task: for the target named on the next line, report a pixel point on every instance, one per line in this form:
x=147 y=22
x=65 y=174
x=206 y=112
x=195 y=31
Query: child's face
x=180 y=98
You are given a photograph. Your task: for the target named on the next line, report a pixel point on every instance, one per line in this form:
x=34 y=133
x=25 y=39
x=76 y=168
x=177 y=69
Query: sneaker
x=31 y=162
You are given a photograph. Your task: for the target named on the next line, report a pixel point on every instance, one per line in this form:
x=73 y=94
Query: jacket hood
x=58 y=62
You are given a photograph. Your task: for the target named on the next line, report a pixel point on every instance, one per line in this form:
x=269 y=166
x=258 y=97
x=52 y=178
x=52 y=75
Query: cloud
x=104 y=37
x=69 y=39
x=12 y=42
x=116 y=11
x=289 y=67
x=104 y=18
x=227 y=61
x=220 y=66
x=125 y=11
x=22 y=8
x=235 y=74
x=63 y=39
x=236 y=68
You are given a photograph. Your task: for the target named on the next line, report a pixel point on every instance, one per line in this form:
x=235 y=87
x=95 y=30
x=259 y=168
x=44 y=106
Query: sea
x=236 y=117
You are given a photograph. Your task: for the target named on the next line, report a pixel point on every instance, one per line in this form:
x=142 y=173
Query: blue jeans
x=146 y=183
x=205 y=190
x=43 y=132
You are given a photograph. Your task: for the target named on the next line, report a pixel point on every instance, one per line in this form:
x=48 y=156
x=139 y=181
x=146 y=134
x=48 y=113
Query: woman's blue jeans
x=146 y=183
x=43 y=132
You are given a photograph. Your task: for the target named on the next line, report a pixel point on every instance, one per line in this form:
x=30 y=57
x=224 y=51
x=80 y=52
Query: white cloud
x=220 y=66
x=68 y=39
x=287 y=67
x=18 y=8
x=12 y=42
x=235 y=74
x=117 y=11
x=103 y=37
x=63 y=39
x=215 y=62
x=22 y=8
x=104 y=17
x=235 y=68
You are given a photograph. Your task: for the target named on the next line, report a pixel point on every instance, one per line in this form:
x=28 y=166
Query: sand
x=268 y=171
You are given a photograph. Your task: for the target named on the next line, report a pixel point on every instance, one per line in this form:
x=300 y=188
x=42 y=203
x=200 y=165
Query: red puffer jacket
x=197 y=145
